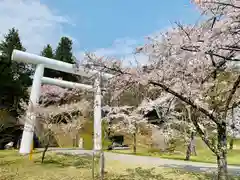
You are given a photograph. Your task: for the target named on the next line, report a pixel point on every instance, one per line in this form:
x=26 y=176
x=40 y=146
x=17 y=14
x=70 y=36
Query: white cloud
x=38 y=25
x=123 y=49
x=120 y=47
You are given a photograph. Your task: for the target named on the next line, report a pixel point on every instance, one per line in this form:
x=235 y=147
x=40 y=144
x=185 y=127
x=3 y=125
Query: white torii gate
x=43 y=62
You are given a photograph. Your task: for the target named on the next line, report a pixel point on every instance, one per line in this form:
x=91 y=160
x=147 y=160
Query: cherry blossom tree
x=176 y=121
x=189 y=63
x=126 y=119
x=67 y=117
x=54 y=111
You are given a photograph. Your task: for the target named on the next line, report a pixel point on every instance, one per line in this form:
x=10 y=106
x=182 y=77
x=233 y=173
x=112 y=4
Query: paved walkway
x=154 y=161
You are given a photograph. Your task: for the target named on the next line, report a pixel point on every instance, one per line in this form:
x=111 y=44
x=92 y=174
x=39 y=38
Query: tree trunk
x=74 y=142
x=44 y=151
x=77 y=139
x=18 y=143
x=222 y=152
x=190 y=148
x=93 y=165
x=188 y=152
x=231 y=143
x=134 y=143
x=222 y=167
x=233 y=128
x=46 y=147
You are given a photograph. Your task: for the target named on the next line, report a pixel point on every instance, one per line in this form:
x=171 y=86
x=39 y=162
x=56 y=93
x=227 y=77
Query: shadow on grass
x=137 y=174
x=208 y=171
x=66 y=160
x=145 y=174
x=233 y=157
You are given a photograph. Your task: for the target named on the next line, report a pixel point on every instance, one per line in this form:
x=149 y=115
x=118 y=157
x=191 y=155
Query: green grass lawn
x=69 y=167
x=203 y=153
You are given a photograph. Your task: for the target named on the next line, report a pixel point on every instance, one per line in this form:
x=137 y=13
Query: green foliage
x=7 y=127
x=68 y=160
x=63 y=167
x=203 y=153
x=64 y=50
x=87 y=135
x=105 y=139
x=151 y=173
x=140 y=173
x=87 y=141
x=64 y=53
x=11 y=41
x=48 y=52
x=14 y=81
x=218 y=93
x=153 y=150
x=172 y=145
x=14 y=77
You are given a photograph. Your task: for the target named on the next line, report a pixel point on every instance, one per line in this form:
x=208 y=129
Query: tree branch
x=182 y=28
x=230 y=97
x=185 y=99
x=200 y=131
x=194 y=49
x=226 y=4
x=213 y=23
x=234 y=105
x=103 y=66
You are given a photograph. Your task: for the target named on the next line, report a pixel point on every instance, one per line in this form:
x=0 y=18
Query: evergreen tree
x=64 y=53
x=64 y=50
x=48 y=52
x=14 y=77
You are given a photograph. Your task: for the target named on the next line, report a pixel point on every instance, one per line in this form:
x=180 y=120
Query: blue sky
x=106 y=27
x=97 y=24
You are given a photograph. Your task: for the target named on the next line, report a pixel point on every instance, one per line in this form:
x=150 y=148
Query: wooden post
x=102 y=164
x=31 y=152
x=93 y=165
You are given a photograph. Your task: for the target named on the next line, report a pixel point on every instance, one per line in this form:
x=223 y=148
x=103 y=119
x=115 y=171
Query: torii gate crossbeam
x=25 y=57
x=38 y=78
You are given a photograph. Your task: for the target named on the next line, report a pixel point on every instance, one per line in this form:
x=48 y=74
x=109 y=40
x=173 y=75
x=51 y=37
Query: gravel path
x=154 y=161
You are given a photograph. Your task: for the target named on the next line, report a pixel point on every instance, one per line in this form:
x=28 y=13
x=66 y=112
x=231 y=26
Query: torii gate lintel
x=38 y=79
